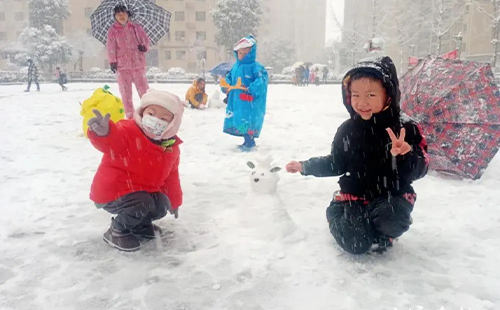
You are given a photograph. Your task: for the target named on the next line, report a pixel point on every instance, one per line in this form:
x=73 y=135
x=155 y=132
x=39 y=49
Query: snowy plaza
x=225 y=251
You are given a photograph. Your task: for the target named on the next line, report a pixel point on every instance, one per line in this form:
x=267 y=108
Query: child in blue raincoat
x=246 y=107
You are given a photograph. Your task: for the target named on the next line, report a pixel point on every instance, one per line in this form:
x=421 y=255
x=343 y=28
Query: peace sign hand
x=399 y=145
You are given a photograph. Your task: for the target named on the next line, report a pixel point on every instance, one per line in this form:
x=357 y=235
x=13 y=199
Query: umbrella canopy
x=154 y=19
x=457 y=104
x=298 y=64
x=221 y=69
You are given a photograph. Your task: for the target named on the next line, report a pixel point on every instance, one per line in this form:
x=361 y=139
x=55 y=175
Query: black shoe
x=149 y=232
x=121 y=240
x=381 y=244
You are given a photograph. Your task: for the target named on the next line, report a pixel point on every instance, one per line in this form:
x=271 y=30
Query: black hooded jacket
x=361 y=148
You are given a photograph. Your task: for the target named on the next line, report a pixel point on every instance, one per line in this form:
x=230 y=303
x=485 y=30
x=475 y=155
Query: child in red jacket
x=138 y=178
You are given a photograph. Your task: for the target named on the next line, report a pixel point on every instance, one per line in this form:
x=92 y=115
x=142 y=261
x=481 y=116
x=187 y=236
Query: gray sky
x=332 y=30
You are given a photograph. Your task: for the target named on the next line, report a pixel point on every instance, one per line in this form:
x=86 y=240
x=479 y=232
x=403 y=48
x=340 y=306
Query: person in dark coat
x=61 y=78
x=378 y=153
x=32 y=75
x=325 y=75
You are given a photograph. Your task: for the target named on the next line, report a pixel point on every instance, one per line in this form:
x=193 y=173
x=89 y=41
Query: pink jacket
x=122 y=46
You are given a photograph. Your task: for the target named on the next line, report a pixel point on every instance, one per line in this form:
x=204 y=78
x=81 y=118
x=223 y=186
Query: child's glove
x=99 y=124
x=142 y=48
x=175 y=212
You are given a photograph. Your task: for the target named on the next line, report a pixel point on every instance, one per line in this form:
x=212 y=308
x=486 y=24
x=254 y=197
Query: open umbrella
x=298 y=64
x=154 y=19
x=457 y=104
x=221 y=69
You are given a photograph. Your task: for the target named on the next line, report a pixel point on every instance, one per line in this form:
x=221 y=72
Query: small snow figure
x=246 y=85
x=264 y=179
x=375 y=48
x=138 y=178
x=378 y=155
x=32 y=75
x=215 y=101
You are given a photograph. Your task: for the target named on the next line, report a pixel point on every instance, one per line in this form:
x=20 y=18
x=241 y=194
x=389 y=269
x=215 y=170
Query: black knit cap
x=121 y=8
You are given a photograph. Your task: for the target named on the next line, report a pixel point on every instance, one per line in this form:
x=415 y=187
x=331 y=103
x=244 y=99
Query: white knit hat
x=244 y=43
x=165 y=100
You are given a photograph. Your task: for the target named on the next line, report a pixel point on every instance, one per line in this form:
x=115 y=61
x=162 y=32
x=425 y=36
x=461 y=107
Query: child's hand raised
x=294 y=167
x=399 y=145
x=99 y=124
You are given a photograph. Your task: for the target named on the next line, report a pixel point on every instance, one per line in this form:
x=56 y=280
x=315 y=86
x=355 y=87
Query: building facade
x=465 y=26
x=190 y=44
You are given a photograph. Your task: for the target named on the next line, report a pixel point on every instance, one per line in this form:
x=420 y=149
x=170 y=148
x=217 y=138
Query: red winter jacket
x=131 y=163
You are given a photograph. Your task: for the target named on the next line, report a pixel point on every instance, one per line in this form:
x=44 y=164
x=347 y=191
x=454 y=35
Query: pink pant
x=125 y=80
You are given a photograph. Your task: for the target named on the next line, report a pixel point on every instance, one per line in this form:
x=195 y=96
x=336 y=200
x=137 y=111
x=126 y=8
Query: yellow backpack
x=104 y=101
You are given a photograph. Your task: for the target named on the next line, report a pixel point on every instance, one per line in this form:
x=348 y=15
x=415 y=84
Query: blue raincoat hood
x=251 y=56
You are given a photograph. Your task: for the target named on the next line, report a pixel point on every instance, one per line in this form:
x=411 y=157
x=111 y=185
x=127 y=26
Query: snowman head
x=263 y=178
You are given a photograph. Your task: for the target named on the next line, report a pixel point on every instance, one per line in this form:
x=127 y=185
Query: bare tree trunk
x=496 y=29
x=374 y=19
x=438 y=47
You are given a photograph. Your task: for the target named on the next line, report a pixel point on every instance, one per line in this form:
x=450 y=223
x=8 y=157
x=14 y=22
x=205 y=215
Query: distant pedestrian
x=325 y=75
x=61 y=78
x=32 y=75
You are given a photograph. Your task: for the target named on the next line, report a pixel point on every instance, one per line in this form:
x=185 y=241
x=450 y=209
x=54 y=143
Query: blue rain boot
x=248 y=145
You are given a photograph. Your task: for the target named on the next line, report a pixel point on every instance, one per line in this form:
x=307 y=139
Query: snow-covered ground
x=225 y=250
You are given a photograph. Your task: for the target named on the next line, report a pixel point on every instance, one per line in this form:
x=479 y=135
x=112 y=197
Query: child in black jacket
x=378 y=152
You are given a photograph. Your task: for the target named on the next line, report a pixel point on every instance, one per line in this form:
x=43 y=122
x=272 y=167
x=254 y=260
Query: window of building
x=202 y=55
x=179 y=16
x=3 y=36
x=465 y=28
x=201 y=16
x=19 y=16
x=168 y=55
x=464 y=47
x=180 y=35
x=181 y=55
x=2 y=16
x=88 y=11
x=467 y=8
x=201 y=35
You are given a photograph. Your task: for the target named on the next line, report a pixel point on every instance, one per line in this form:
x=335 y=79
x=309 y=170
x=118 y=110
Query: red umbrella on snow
x=458 y=106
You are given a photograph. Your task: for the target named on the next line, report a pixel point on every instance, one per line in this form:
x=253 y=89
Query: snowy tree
x=408 y=23
x=235 y=19
x=277 y=53
x=83 y=45
x=44 y=46
x=48 y=12
x=494 y=16
x=445 y=14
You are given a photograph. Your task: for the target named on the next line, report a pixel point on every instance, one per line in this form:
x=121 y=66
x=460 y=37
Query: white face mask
x=155 y=127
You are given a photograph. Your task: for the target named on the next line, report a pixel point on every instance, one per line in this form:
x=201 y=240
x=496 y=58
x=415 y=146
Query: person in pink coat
x=127 y=46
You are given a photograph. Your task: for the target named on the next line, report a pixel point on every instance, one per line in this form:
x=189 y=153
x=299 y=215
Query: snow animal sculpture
x=270 y=220
x=264 y=179
x=215 y=101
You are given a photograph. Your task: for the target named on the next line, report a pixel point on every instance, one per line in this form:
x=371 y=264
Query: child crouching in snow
x=376 y=167
x=196 y=95
x=138 y=178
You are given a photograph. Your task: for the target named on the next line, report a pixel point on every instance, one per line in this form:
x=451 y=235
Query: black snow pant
x=356 y=226
x=36 y=83
x=137 y=209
